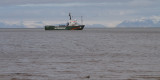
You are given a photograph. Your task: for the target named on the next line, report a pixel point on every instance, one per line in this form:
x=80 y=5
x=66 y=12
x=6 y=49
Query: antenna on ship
x=82 y=20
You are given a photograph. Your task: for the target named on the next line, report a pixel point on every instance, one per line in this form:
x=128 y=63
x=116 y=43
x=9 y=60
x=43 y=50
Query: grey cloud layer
x=21 y=2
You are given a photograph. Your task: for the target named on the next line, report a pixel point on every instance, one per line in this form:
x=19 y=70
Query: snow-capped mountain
x=4 y=25
x=143 y=22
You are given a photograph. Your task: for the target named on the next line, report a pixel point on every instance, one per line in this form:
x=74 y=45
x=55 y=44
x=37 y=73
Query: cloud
x=22 y=2
x=133 y=3
x=140 y=3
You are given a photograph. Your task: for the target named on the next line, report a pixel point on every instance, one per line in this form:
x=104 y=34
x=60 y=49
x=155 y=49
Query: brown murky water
x=90 y=54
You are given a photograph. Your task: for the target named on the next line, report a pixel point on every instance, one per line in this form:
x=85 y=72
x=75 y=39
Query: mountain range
x=5 y=25
x=140 y=23
x=41 y=25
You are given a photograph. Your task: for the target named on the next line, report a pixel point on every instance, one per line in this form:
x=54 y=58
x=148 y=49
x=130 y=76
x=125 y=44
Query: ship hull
x=79 y=27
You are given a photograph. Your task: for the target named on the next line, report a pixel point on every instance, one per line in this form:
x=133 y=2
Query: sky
x=36 y=13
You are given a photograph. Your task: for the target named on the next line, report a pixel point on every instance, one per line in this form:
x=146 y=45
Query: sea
x=89 y=54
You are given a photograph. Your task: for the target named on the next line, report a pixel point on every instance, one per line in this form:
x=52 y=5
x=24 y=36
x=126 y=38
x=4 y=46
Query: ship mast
x=70 y=16
x=82 y=20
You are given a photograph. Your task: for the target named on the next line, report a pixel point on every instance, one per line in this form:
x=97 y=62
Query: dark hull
x=80 y=27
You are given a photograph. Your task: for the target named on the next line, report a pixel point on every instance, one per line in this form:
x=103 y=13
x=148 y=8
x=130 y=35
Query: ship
x=70 y=25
